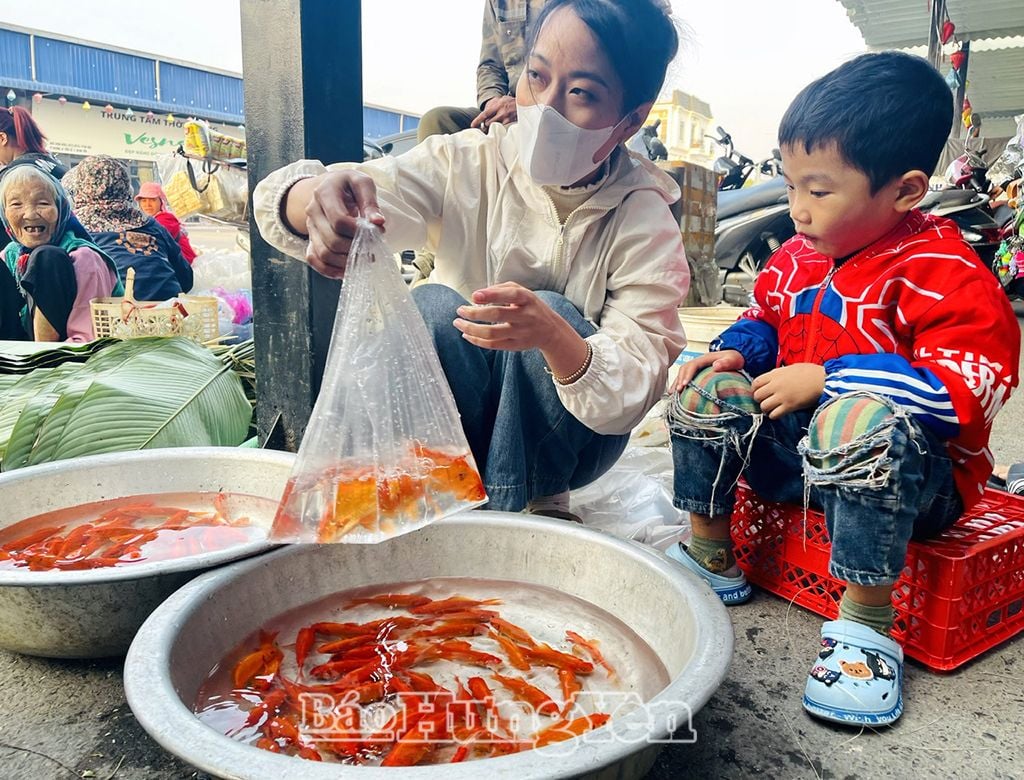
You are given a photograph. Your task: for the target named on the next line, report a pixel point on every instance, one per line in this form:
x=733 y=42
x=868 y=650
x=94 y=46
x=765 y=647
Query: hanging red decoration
x=948 y=28
x=956 y=59
x=37 y=98
x=108 y=109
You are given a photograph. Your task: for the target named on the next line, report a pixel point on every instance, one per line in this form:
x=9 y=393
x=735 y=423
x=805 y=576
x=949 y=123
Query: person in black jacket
x=101 y=191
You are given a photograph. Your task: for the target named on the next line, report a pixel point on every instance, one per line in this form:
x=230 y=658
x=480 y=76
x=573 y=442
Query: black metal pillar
x=302 y=62
x=937 y=18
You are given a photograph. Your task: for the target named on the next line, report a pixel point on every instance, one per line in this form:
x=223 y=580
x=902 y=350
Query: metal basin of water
x=673 y=611
x=95 y=613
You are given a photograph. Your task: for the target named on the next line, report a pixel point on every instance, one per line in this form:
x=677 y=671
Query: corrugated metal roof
x=995 y=82
x=378 y=123
x=899 y=24
x=27 y=31
x=15 y=55
x=95 y=70
x=995 y=70
x=78 y=70
x=200 y=91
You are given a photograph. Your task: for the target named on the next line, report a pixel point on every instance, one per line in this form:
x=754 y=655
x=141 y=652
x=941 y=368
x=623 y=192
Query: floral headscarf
x=102 y=194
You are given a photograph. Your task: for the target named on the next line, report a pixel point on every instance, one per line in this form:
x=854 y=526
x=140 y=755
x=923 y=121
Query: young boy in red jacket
x=864 y=379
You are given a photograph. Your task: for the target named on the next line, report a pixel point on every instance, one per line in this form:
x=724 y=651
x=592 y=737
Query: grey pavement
x=64 y=719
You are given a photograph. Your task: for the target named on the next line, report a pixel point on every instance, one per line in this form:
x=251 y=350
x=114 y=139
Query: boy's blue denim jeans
x=878 y=490
x=525 y=442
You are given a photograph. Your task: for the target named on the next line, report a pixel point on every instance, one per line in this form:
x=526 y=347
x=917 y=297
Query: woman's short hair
x=639 y=37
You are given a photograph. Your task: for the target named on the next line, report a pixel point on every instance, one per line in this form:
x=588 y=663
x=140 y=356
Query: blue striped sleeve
x=756 y=340
x=917 y=390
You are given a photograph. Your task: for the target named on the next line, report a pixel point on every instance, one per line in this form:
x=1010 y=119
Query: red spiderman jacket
x=915 y=317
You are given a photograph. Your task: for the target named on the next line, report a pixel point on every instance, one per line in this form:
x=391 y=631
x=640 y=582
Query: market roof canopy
x=995 y=84
x=900 y=24
x=995 y=81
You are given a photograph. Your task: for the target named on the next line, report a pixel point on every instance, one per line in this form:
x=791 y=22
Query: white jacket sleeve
x=639 y=335
x=410 y=192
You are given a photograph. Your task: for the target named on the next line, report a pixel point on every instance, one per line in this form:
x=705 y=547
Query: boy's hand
x=787 y=389
x=726 y=360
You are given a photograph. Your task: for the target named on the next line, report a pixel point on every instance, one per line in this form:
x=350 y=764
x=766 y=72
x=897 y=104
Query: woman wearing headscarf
x=22 y=143
x=49 y=274
x=101 y=192
x=153 y=201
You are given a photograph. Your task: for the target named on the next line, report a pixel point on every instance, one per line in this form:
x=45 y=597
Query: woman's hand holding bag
x=327 y=208
x=384 y=452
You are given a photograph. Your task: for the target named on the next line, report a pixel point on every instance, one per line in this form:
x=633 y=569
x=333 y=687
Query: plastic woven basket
x=193 y=316
x=960 y=594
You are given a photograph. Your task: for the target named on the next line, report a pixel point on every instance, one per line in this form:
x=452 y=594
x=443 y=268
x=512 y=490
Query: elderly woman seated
x=49 y=275
x=101 y=191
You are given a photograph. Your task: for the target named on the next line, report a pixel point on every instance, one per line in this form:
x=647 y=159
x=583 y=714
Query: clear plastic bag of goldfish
x=384 y=452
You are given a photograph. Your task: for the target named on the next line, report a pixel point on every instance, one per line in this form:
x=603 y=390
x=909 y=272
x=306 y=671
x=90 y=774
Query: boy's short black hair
x=888 y=113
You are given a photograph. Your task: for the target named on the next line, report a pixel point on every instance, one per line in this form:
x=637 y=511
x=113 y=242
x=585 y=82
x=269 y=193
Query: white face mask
x=556 y=152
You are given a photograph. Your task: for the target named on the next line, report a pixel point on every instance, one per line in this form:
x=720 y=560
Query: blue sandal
x=731 y=590
x=857 y=677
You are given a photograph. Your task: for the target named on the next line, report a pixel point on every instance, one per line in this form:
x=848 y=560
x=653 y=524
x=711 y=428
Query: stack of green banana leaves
x=127 y=395
x=23 y=357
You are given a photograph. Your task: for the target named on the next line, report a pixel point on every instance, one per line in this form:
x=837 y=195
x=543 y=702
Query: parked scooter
x=753 y=222
x=966 y=201
x=970 y=211
x=646 y=142
x=732 y=169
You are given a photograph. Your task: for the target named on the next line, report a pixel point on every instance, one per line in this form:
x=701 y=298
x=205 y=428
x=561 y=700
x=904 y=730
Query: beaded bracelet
x=568 y=380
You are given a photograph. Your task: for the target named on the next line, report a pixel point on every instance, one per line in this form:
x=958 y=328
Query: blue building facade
x=34 y=63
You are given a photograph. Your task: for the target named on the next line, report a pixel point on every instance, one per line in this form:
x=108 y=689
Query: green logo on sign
x=144 y=139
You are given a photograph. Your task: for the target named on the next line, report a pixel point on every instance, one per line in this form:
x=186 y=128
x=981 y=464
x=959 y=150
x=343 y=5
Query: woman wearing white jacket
x=558 y=265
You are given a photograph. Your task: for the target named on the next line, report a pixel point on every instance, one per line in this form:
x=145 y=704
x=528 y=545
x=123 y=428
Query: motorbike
x=965 y=200
x=647 y=144
x=752 y=223
x=753 y=220
x=732 y=168
x=970 y=211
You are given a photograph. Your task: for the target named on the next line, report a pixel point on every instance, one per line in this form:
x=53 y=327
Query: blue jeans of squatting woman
x=526 y=443
x=878 y=490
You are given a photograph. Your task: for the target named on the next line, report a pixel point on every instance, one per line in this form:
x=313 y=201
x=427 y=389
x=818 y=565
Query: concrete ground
x=73 y=718
x=64 y=719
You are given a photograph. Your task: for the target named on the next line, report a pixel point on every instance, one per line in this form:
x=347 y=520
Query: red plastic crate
x=960 y=593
